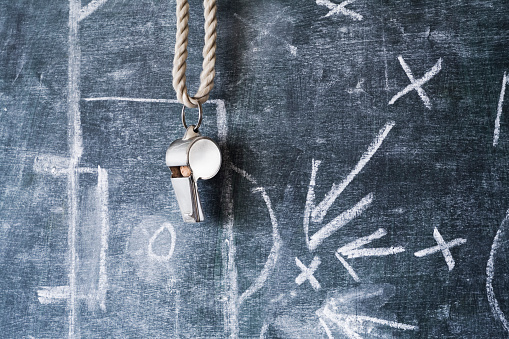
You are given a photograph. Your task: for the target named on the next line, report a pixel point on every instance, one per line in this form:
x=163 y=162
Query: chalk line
x=102 y=190
x=50 y=294
x=74 y=135
x=442 y=246
x=228 y=250
x=340 y=221
x=273 y=257
x=310 y=198
x=307 y=272
x=163 y=101
x=246 y=175
x=56 y=165
x=90 y=8
x=349 y=268
x=326 y=328
x=351 y=334
x=490 y=274
x=417 y=84
x=320 y=211
x=496 y=132
x=340 y=9
x=292 y=49
x=362 y=241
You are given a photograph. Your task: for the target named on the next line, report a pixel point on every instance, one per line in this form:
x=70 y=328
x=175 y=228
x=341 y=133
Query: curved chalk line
x=490 y=273
x=173 y=235
x=273 y=257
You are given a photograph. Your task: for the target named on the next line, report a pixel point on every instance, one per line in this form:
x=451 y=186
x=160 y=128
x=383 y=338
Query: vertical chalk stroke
x=490 y=274
x=103 y=194
x=74 y=136
x=496 y=132
x=340 y=9
x=417 y=84
x=90 y=8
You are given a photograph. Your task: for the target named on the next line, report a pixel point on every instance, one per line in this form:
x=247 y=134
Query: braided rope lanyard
x=209 y=57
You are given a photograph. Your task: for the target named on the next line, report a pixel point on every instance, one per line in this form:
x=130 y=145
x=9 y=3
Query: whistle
x=191 y=158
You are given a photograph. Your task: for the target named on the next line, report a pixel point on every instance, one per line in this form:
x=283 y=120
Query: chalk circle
x=151 y=241
x=500 y=240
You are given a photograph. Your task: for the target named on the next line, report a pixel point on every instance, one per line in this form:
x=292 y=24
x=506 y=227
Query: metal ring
x=200 y=117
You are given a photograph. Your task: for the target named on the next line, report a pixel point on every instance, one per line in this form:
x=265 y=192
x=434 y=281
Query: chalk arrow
x=355 y=248
x=317 y=213
x=350 y=322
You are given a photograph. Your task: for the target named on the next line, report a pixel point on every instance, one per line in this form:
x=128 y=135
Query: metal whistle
x=191 y=158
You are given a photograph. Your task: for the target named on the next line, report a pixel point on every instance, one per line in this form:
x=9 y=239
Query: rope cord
x=209 y=54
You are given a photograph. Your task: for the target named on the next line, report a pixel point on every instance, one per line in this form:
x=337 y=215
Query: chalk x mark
x=307 y=272
x=292 y=49
x=417 y=84
x=496 y=132
x=90 y=8
x=339 y=9
x=442 y=246
x=490 y=274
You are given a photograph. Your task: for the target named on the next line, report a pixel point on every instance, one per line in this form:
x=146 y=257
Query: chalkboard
x=363 y=190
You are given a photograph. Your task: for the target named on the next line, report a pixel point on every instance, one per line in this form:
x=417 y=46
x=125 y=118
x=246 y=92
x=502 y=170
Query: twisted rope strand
x=209 y=54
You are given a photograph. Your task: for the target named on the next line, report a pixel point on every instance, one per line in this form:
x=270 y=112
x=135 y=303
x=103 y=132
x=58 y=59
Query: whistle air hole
x=175 y=172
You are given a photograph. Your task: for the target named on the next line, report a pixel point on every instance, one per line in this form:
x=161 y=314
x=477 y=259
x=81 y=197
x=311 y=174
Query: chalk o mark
x=490 y=273
x=173 y=235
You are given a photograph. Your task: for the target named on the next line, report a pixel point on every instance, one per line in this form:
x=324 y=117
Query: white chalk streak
x=273 y=256
x=496 y=133
x=417 y=84
x=374 y=252
x=340 y=221
x=310 y=198
x=326 y=328
x=348 y=267
x=292 y=49
x=343 y=325
x=90 y=8
x=434 y=249
x=246 y=175
x=342 y=318
x=56 y=165
x=490 y=274
x=222 y=126
x=340 y=9
x=52 y=294
x=307 y=273
x=102 y=190
x=75 y=143
x=164 y=101
x=321 y=210
x=362 y=241
x=150 y=252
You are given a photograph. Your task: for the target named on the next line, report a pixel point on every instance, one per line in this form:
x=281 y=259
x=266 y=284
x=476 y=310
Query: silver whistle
x=191 y=158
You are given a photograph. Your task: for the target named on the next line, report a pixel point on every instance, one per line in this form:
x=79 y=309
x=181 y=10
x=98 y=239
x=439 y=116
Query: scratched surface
x=363 y=192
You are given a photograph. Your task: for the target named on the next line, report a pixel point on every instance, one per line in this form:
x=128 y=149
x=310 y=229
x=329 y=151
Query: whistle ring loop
x=200 y=117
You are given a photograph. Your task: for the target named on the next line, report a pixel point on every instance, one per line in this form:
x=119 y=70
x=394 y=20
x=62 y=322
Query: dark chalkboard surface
x=363 y=192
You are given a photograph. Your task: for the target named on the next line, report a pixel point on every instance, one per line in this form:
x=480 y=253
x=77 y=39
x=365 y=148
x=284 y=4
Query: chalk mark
x=90 y=8
x=307 y=272
x=102 y=192
x=339 y=9
x=417 y=84
x=162 y=258
x=442 y=246
x=292 y=49
x=496 y=132
x=355 y=249
x=490 y=274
